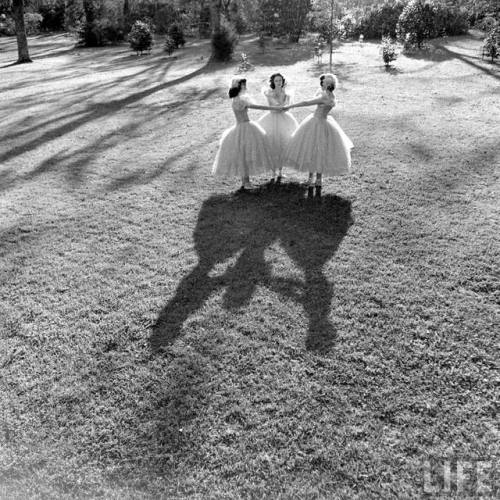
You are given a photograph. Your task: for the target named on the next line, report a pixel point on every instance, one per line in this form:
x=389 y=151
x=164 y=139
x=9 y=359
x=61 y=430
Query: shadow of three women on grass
x=243 y=227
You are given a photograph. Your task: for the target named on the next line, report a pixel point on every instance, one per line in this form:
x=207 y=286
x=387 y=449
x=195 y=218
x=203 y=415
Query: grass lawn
x=164 y=337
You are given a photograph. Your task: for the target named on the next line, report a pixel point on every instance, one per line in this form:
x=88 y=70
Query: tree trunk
x=126 y=10
x=215 y=12
x=88 y=8
x=22 y=42
x=331 y=36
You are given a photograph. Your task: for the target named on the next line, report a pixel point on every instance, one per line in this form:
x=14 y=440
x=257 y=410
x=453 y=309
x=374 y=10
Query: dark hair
x=273 y=76
x=330 y=87
x=234 y=91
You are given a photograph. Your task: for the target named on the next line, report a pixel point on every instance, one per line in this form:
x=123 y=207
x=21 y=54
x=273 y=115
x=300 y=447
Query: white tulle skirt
x=279 y=128
x=320 y=145
x=244 y=149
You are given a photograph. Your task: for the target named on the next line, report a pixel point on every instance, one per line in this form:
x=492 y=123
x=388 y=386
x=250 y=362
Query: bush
x=388 y=48
x=239 y=24
x=223 y=44
x=140 y=37
x=163 y=17
x=169 y=45
x=100 y=32
x=380 y=21
x=422 y=20
x=245 y=64
x=449 y=21
x=8 y=27
x=32 y=21
x=348 y=24
x=492 y=43
x=416 y=23
x=486 y=24
x=483 y=10
x=53 y=16
x=73 y=16
x=176 y=34
x=100 y=23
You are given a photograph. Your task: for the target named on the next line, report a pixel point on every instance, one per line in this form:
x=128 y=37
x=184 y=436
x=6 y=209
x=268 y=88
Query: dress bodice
x=240 y=109
x=274 y=99
x=325 y=107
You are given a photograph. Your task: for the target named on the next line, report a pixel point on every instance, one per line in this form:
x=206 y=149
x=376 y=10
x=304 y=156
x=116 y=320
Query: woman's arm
x=266 y=108
x=312 y=102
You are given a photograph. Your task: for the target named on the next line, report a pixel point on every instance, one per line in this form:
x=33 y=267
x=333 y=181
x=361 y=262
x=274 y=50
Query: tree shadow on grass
x=99 y=110
x=242 y=227
x=438 y=52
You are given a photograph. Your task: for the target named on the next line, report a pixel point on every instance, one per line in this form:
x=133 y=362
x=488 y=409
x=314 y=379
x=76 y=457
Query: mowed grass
x=164 y=337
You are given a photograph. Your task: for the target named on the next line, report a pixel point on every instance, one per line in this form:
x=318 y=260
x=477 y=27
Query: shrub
x=239 y=24
x=164 y=16
x=380 y=21
x=169 y=45
x=176 y=34
x=492 y=43
x=348 y=24
x=421 y=20
x=53 y=16
x=73 y=16
x=100 y=32
x=223 y=44
x=8 y=27
x=458 y=22
x=140 y=37
x=388 y=48
x=111 y=31
x=416 y=23
x=481 y=10
x=486 y=24
x=245 y=64
x=448 y=20
x=32 y=21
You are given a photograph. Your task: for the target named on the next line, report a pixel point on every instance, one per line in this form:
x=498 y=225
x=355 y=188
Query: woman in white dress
x=320 y=145
x=279 y=125
x=244 y=149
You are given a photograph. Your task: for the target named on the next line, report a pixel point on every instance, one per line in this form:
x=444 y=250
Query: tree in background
x=215 y=15
x=224 y=38
x=293 y=17
x=416 y=23
x=73 y=14
x=325 y=20
x=381 y=20
x=22 y=41
x=283 y=17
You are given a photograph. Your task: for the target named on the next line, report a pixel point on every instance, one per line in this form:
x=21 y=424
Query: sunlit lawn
x=162 y=336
